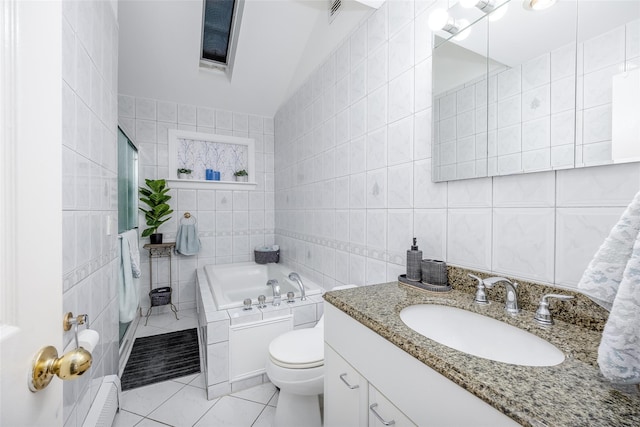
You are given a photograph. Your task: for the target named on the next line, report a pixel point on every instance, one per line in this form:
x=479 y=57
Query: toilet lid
x=303 y=348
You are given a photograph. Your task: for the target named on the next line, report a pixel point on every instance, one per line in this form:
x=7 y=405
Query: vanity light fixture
x=537 y=5
x=484 y=5
x=440 y=19
x=487 y=6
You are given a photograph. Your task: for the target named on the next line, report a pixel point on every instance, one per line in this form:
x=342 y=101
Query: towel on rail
x=187 y=240
x=613 y=280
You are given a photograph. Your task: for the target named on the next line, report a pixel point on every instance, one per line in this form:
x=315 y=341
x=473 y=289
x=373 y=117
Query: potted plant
x=184 y=173
x=241 y=175
x=156 y=197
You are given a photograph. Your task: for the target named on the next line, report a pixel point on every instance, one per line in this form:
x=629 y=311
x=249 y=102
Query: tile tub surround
x=214 y=333
x=573 y=393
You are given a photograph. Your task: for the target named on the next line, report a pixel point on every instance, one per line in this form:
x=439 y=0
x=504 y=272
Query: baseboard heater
x=106 y=404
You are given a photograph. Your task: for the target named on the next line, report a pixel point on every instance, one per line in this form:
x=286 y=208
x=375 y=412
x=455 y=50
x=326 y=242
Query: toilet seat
x=299 y=349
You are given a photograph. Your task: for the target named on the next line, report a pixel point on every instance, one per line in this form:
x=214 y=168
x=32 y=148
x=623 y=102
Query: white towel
x=134 y=251
x=128 y=296
x=613 y=279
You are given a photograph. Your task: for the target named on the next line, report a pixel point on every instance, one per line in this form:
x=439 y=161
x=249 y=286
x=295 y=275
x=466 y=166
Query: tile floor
x=183 y=401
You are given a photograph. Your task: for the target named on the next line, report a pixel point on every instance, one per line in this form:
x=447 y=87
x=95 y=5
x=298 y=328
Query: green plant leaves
x=156 y=198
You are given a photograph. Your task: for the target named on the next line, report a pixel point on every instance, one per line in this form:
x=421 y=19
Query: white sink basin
x=480 y=335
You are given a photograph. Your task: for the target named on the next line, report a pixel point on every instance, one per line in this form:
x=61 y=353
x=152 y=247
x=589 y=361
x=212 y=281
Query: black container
x=160 y=296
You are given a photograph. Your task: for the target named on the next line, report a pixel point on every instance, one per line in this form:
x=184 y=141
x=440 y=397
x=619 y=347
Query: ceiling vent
x=334 y=8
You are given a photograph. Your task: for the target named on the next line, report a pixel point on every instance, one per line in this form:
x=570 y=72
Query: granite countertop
x=573 y=393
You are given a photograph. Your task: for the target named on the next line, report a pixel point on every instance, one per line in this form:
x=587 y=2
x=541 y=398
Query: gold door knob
x=46 y=364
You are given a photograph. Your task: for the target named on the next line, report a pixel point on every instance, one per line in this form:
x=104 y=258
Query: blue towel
x=187 y=240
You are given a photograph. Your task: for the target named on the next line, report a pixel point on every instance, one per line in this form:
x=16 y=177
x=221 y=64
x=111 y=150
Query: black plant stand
x=159 y=250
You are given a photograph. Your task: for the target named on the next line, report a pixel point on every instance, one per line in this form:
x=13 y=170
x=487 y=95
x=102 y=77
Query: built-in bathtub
x=234 y=341
x=231 y=284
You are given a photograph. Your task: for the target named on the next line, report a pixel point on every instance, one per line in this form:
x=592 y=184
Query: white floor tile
x=147 y=331
x=229 y=411
x=199 y=381
x=183 y=408
x=144 y=400
x=259 y=394
x=150 y=423
x=126 y=419
x=266 y=417
x=274 y=400
x=186 y=379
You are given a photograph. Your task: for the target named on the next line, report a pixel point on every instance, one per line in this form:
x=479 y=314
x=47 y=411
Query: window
x=220 y=24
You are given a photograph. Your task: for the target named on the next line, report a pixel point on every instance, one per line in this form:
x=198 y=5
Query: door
x=345 y=392
x=30 y=206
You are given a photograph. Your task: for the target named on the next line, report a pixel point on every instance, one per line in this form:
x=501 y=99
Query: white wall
x=90 y=257
x=353 y=176
x=279 y=41
x=230 y=223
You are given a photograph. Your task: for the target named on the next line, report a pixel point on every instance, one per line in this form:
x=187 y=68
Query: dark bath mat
x=162 y=357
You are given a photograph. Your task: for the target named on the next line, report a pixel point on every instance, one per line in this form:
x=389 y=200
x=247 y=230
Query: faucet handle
x=481 y=296
x=543 y=315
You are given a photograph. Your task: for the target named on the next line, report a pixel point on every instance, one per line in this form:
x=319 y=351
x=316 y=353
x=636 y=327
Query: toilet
x=296 y=366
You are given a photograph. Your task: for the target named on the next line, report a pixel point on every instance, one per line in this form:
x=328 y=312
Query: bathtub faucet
x=275 y=287
x=296 y=277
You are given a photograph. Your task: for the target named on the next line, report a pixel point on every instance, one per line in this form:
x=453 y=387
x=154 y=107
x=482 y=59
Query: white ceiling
x=280 y=43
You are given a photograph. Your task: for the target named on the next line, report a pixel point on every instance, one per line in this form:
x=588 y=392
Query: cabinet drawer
x=384 y=413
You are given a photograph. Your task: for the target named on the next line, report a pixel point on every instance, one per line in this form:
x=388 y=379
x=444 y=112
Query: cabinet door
x=345 y=392
x=383 y=413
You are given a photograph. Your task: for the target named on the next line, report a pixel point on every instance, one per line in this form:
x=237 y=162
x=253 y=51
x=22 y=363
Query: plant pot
x=155 y=239
x=184 y=176
x=243 y=178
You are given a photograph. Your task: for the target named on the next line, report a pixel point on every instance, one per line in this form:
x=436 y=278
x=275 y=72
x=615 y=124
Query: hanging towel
x=134 y=252
x=128 y=293
x=613 y=280
x=187 y=241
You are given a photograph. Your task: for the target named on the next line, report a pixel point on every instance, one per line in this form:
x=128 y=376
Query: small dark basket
x=160 y=296
x=264 y=257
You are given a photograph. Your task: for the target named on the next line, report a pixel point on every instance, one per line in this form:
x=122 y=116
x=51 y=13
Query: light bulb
x=536 y=5
x=438 y=19
x=462 y=23
x=468 y=4
x=498 y=13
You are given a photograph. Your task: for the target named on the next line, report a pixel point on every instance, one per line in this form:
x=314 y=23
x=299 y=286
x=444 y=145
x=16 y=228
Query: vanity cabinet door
x=345 y=392
x=384 y=413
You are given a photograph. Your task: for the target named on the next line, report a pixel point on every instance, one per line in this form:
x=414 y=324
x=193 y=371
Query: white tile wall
x=230 y=223
x=89 y=253
x=539 y=226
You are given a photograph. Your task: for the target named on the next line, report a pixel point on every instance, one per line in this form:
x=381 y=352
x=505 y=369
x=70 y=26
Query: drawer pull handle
x=351 y=387
x=382 y=420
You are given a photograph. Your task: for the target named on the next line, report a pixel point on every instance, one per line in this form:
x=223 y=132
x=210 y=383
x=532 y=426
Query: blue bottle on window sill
x=209 y=174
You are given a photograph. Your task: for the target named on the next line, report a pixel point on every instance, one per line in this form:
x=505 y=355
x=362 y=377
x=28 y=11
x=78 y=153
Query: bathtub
x=234 y=341
x=231 y=284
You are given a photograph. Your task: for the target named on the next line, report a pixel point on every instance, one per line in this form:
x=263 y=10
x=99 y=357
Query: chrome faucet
x=511 y=300
x=275 y=287
x=296 y=277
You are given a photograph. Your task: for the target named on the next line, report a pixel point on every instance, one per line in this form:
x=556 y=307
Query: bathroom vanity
x=378 y=370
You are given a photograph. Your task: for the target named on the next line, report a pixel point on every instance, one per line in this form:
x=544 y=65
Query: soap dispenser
x=414 y=258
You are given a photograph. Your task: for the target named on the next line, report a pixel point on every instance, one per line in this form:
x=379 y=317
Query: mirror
x=536 y=90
